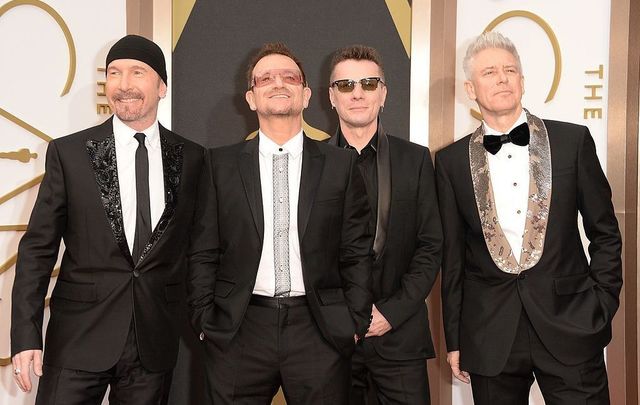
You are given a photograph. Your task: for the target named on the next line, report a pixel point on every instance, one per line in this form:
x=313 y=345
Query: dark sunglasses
x=347 y=85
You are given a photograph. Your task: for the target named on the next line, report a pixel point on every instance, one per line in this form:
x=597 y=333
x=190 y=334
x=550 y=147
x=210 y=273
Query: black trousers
x=130 y=383
x=278 y=347
x=392 y=381
x=582 y=384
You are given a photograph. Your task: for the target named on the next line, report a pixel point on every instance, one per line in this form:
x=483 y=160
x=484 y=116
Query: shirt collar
x=343 y=143
x=490 y=131
x=293 y=146
x=124 y=133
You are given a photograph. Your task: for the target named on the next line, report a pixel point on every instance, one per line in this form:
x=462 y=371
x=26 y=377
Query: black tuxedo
x=300 y=343
x=407 y=243
x=100 y=291
x=334 y=244
x=569 y=301
x=407 y=246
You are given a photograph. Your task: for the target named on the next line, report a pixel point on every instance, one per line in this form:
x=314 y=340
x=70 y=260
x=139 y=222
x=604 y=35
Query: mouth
x=128 y=100
x=279 y=95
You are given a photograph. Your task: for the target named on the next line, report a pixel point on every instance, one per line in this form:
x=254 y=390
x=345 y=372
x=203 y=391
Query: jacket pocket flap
x=172 y=292
x=75 y=291
x=573 y=284
x=329 y=296
x=223 y=288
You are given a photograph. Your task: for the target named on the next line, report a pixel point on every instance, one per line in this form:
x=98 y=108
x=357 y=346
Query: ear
x=306 y=95
x=383 y=95
x=162 y=89
x=250 y=97
x=331 y=97
x=471 y=91
x=522 y=83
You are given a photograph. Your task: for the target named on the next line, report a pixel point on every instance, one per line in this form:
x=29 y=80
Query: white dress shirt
x=126 y=146
x=509 y=172
x=266 y=279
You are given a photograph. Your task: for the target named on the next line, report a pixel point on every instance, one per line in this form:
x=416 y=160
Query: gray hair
x=488 y=40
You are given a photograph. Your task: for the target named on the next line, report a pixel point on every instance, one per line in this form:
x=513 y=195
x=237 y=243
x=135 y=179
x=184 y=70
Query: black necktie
x=143 y=209
x=518 y=136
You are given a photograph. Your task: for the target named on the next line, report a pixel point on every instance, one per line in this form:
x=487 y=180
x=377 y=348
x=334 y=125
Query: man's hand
x=379 y=324
x=22 y=367
x=453 y=358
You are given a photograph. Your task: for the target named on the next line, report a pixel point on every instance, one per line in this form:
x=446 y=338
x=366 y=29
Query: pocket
x=563 y=171
x=172 y=292
x=223 y=288
x=330 y=296
x=79 y=292
x=573 y=284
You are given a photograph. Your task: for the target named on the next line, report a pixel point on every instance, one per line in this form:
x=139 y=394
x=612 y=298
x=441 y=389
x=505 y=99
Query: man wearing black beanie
x=120 y=196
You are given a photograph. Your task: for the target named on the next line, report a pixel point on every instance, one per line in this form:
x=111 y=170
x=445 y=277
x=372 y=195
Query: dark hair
x=357 y=52
x=272 y=48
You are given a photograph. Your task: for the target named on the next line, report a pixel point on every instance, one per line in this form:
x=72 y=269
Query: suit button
x=136 y=273
x=522 y=276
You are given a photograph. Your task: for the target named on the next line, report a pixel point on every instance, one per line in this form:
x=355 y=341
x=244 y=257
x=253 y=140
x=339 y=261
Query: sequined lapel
x=537 y=207
x=172 y=157
x=103 y=159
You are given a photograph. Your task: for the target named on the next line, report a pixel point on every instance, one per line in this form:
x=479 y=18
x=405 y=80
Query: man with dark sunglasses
x=401 y=190
x=279 y=270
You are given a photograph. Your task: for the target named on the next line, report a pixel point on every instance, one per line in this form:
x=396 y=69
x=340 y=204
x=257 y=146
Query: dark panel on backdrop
x=220 y=37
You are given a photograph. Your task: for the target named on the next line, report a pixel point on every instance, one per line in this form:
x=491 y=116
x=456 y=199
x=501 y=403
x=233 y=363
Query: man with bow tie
x=521 y=301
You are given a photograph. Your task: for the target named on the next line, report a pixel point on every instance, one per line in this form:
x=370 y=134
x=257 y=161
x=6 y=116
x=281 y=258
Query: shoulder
x=456 y=150
x=332 y=151
x=565 y=134
x=188 y=144
x=406 y=146
x=81 y=137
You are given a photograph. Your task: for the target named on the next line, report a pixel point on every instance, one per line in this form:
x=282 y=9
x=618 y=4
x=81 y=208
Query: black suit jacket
x=334 y=244
x=569 y=300
x=100 y=288
x=408 y=244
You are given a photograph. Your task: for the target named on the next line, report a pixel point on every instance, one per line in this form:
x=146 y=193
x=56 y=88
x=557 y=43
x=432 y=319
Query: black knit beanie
x=142 y=49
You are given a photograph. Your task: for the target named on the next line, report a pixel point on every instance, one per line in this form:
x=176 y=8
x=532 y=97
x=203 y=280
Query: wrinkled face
x=496 y=83
x=134 y=90
x=358 y=108
x=278 y=89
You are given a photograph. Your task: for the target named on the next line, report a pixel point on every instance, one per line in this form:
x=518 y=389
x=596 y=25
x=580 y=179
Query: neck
x=502 y=122
x=281 y=129
x=359 y=137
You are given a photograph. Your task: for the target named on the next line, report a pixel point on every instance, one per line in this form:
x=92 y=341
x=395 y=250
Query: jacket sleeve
x=355 y=250
x=425 y=264
x=453 y=257
x=203 y=256
x=37 y=254
x=600 y=225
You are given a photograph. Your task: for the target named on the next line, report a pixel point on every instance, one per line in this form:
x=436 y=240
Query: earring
x=333 y=107
x=381 y=108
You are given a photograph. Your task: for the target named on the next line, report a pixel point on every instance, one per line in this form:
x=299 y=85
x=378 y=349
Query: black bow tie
x=518 y=136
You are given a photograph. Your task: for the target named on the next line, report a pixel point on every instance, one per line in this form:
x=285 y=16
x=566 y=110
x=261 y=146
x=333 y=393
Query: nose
x=502 y=77
x=278 y=81
x=357 y=91
x=124 y=81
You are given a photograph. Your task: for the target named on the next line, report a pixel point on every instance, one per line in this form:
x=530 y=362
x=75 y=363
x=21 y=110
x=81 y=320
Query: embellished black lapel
x=312 y=166
x=250 y=174
x=383 y=163
x=172 y=158
x=102 y=153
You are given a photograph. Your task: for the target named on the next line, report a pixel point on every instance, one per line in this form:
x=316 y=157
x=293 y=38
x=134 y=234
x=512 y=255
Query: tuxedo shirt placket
x=509 y=173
